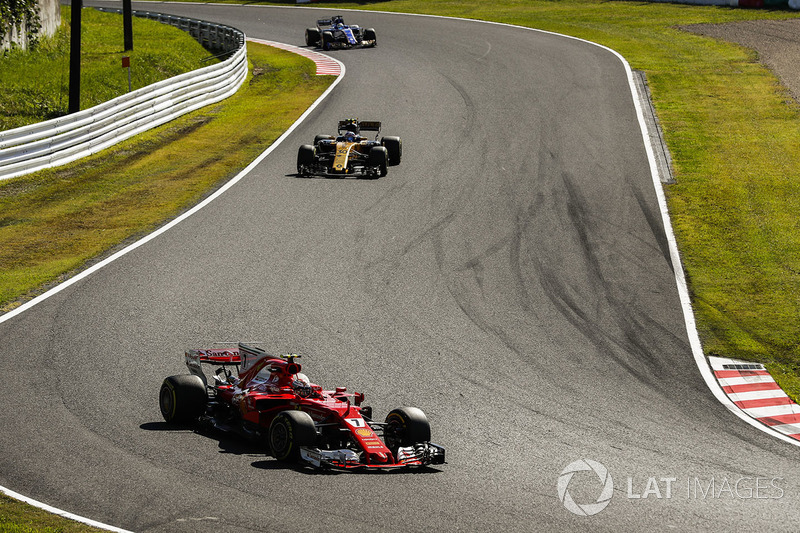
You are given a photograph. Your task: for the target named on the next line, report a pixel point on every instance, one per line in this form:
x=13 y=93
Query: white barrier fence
x=66 y=139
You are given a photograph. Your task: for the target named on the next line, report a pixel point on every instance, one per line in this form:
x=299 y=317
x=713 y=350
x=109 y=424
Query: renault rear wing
x=362 y=125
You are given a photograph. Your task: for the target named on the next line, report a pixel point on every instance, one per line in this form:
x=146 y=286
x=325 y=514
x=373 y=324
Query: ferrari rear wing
x=195 y=359
x=215 y=357
x=243 y=356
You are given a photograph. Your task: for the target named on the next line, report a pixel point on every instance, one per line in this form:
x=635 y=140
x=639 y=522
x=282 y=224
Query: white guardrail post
x=65 y=139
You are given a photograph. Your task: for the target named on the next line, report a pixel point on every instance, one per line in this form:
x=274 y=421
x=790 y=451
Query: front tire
x=306 y=157
x=406 y=426
x=182 y=399
x=327 y=40
x=394 y=147
x=369 y=35
x=379 y=158
x=289 y=431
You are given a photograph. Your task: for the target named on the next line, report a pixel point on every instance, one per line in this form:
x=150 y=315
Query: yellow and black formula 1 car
x=349 y=154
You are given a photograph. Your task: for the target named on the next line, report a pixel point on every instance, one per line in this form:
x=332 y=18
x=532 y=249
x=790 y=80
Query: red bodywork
x=264 y=389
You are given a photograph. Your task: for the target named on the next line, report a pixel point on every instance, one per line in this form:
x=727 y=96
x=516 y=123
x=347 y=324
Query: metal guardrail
x=63 y=140
x=212 y=36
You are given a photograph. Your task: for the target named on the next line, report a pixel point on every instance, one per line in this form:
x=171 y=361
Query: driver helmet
x=301 y=385
x=350 y=137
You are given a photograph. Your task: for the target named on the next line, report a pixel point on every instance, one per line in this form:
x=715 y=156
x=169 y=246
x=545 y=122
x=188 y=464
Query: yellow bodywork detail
x=342 y=154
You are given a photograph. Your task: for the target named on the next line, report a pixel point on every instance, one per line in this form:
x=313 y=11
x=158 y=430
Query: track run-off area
x=511 y=277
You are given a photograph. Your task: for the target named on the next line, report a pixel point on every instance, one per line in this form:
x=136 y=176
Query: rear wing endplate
x=250 y=354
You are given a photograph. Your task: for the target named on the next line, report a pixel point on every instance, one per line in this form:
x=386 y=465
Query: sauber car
x=334 y=33
x=267 y=399
x=348 y=153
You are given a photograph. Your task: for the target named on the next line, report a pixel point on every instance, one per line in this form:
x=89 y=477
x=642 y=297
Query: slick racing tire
x=322 y=137
x=182 y=399
x=305 y=159
x=327 y=40
x=369 y=35
x=406 y=426
x=312 y=37
x=288 y=432
x=394 y=146
x=379 y=158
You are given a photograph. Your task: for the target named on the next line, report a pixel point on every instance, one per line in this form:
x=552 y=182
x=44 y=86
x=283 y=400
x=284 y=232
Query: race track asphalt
x=511 y=278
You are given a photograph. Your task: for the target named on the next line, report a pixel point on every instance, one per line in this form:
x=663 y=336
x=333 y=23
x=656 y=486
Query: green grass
x=36 y=84
x=54 y=221
x=731 y=128
x=732 y=131
x=18 y=517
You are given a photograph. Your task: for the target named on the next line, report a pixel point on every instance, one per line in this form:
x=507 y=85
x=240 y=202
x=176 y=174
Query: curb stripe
x=755 y=392
x=756 y=395
x=740 y=373
x=749 y=387
x=771 y=411
x=788 y=429
x=764 y=402
x=703 y=364
x=326 y=65
x=781 y=419
x=745 y=380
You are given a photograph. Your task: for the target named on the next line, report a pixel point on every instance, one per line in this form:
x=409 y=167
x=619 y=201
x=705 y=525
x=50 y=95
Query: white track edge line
x=680 y=279
x=702 y=363
x=59 y=512
x=55 y=290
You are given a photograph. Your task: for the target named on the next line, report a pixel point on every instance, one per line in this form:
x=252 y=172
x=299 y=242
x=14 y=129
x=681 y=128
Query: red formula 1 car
x=270 y=401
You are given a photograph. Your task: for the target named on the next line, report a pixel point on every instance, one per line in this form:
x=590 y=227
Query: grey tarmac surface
x=510 y=277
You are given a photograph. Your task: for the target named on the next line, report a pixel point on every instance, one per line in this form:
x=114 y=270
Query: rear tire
x=182 y=399
x=394 y=146
x=406 y=426
x=305 y=159
x=288 y=432
x=312 y=37
x=379 y=157
x=319 y=138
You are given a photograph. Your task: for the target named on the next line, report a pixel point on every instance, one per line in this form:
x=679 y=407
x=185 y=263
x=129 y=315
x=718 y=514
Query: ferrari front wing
x=422 y=454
